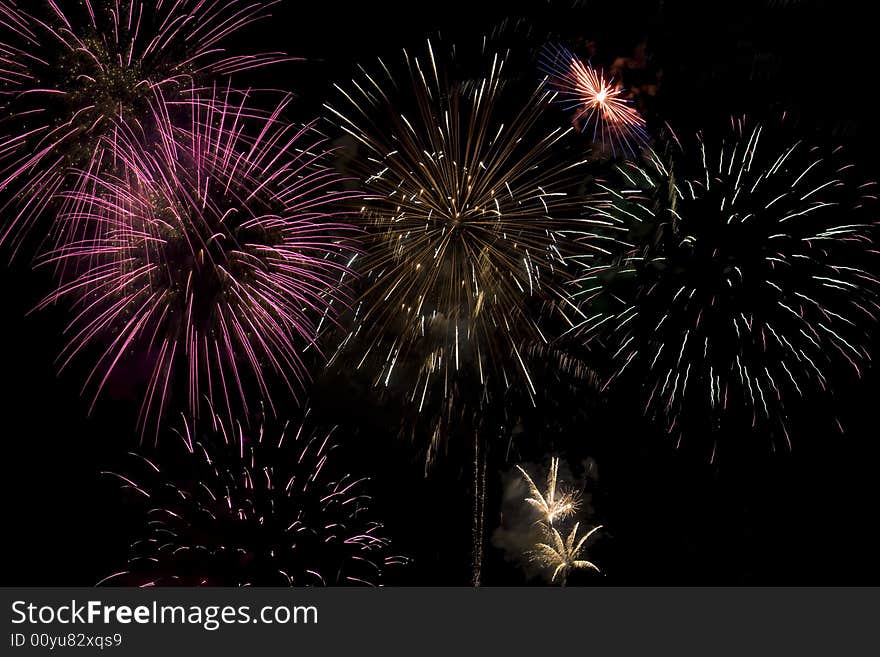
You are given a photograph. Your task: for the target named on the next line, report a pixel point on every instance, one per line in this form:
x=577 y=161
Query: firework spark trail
x=564 y=556
x=219 y=252
x=479 y=512
x=736 y=274
x=462 y=209
x=555 y=504
x=601 y=108
x=66 y=75
x=251 y=508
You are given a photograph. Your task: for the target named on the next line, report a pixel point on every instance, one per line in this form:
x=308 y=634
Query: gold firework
x=463 y=216
x=555 y=504
x=564 y=556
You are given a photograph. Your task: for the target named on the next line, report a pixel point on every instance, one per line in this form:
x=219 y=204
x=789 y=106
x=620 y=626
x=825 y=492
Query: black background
x=758 y=514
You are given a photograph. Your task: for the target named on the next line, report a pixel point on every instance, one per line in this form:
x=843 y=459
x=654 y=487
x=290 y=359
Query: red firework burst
x=601 y=106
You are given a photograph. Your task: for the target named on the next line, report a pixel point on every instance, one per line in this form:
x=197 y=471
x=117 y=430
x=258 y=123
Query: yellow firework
x=555 y=504
x=564 y=556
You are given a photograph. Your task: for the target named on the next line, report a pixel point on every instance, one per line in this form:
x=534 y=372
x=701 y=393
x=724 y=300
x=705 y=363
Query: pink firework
x=215 y=255
x=601 y=107
x=68 y=69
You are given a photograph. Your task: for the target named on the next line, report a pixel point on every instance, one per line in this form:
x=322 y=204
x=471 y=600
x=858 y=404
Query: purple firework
x=66 y=71
x=216 y=254
x=253 y=508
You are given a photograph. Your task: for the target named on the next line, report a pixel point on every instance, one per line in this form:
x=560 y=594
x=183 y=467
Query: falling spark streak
x=69 y=70
x=740 y=274
x=217 y=253
x=244 y=508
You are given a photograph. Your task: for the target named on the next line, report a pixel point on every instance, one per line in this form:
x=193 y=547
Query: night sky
x=756 y=514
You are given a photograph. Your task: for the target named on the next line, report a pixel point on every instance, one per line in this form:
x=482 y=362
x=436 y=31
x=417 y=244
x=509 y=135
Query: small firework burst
x=563 y=556
x=601 y=107
x=733 y=274
x=556 y=504
x=251 y=508
x=462 y=210
x=219 y=251
x=67 y=72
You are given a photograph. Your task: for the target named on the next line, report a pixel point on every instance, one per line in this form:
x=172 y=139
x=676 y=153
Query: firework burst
x=601 y=107
x=219 y=252
x=556 y=504
x=462 y=210
x=733 y=274
x=253 y=508
x=563 y=556
x=67 y=72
